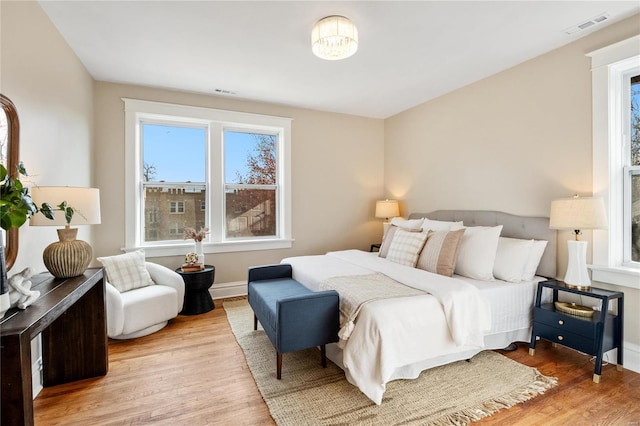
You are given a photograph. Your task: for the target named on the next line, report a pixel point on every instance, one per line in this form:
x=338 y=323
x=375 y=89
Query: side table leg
x=596 y=378
x=532 y=351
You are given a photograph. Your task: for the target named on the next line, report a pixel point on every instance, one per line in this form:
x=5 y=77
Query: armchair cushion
x=126 y=271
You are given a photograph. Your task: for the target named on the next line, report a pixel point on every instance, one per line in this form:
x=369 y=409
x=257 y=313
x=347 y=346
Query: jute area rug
x=454 y=394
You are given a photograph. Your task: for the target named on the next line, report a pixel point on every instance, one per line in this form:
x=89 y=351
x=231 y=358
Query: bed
x=441 y=319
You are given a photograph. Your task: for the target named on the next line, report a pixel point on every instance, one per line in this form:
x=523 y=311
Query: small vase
x=199 y=251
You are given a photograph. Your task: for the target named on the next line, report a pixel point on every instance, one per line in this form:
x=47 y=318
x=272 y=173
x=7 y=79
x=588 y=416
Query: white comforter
x=393 y=333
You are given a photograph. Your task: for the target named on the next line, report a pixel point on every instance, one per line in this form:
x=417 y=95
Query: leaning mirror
x=9 y=154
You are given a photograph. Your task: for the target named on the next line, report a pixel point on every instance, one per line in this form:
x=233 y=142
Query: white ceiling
x=409 y=52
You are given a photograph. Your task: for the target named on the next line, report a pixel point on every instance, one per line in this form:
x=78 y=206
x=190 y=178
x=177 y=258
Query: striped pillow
x=406 y=246
x=126 y=271
x=440 y=252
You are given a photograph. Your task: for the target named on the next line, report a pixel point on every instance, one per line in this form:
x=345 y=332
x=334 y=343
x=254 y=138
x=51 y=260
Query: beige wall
x=337 y=165
x=53 y=94
x=511 y=142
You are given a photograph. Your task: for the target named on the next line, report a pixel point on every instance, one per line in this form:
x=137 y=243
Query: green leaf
x=21 y=169
x=46 y=210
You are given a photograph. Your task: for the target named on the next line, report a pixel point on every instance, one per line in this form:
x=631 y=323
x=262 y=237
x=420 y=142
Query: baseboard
x=232 y=289
x=631 y=357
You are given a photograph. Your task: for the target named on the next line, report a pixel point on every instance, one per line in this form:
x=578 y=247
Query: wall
x=53 y=94
x=337 y=165
x=511 y=142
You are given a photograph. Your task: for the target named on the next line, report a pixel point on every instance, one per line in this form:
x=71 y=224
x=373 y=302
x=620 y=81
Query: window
x=615 y=71
x=200 y=167
x=176 y=207
x=250 y=184
x=632 y=178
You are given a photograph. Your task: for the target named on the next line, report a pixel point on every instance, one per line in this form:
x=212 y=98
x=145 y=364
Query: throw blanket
x=467 y=311
x=357 y=290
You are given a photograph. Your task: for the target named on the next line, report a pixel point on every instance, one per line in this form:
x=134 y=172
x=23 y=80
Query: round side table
x=197 y=299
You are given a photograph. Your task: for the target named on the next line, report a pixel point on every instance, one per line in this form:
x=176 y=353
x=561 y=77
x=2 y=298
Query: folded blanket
x=357 y=290
x=467 y=311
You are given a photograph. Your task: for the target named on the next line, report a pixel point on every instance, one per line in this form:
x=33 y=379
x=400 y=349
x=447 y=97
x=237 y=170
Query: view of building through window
x=175 y=182
x=250 y=191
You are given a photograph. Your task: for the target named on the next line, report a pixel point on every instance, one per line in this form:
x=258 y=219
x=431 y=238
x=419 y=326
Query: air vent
x=588 y=23
x=224 y=91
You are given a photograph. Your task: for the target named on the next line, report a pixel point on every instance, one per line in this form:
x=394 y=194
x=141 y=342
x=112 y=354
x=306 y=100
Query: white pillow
x=478 y=252
x=512 y=256
x=412 y=224
x=406 y=247
x=440 y=225
x=126 y=271
x=535 y=255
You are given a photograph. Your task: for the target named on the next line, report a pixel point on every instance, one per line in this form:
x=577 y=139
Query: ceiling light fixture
x=334 y=37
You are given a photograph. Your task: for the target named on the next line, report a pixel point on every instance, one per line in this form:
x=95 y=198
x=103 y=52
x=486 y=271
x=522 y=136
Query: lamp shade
x=334 y=37
x=578 y=213
x=84 y=201
x=387 y=208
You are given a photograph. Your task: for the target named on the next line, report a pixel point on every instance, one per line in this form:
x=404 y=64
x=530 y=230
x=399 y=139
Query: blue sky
x=179 y=153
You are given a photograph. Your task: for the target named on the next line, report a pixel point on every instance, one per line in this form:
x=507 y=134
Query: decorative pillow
x=440 y=252
x=478 y=252
x=126 y=271
x=412 y=224
x=405 y=247
x=511 y=258
x=440 y=225
x=535 y=255
x=388 y=237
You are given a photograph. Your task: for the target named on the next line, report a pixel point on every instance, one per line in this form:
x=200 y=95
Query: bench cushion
x=272 y=291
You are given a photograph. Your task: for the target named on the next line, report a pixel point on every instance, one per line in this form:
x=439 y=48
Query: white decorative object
x=577 y=213
x=20 y=293
x=334 y=37
x=199 y=252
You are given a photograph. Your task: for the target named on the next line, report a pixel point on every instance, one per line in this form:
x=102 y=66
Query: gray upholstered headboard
x=526 y=227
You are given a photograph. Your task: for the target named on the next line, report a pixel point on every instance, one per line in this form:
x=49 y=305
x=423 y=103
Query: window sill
x=212 y=248
x=617 y=275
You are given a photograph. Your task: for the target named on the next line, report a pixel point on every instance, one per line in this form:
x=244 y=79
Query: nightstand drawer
x=584 y=326
x=566 y=338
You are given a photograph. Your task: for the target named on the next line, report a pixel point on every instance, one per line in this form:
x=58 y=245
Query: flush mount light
x=334 y=37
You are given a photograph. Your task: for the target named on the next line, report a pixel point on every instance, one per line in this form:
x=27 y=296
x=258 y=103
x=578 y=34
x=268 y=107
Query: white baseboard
x=36 y=377
x=631 y=357
x=232 y=289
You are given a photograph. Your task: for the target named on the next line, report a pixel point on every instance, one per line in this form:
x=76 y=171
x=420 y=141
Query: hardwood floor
x=193 y=372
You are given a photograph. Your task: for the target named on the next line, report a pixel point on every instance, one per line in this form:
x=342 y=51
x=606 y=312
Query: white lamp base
x=577 y=275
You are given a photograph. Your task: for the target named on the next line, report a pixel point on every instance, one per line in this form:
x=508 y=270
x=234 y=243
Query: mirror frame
x=13 y=155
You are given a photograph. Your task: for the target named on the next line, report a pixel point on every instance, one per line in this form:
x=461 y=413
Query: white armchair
x=144 y=310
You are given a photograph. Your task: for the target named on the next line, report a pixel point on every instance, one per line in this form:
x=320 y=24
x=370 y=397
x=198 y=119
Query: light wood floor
x=193 y=373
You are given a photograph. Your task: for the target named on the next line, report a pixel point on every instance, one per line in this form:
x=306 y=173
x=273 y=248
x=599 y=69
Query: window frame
x=138 y=111
x=612 y=69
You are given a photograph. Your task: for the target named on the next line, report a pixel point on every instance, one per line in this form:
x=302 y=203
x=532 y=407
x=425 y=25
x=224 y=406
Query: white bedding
x=400 y=337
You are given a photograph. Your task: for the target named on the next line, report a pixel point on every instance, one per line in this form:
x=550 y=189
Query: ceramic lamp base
x=68 y=257
x=577 y=275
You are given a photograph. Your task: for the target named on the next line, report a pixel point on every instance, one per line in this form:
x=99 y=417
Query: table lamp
x=67 y=257
x=577 y=213
x=387 y=209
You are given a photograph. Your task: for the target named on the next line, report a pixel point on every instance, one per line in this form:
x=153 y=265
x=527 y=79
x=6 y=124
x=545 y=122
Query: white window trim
x=135 y=109
x=609 y=66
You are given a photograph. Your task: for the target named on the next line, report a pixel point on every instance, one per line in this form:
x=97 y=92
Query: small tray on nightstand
x=574 y=309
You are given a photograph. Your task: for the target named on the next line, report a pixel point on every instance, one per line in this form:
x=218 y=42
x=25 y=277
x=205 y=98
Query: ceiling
x=409 y=52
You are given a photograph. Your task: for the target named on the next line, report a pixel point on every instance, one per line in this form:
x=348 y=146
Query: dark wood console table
x=71 y=316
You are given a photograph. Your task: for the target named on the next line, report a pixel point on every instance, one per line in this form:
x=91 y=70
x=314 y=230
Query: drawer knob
x=561 y=322
x=560 y=338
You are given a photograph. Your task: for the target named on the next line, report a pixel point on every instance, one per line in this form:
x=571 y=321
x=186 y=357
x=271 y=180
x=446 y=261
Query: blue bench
x=293 y=317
